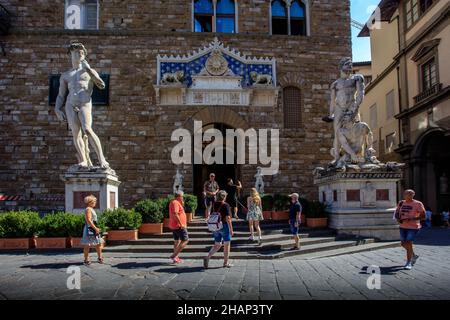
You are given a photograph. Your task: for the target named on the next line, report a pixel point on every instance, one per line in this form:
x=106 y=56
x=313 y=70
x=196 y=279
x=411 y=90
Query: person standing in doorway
x=178 y=224
x=428 y=215
x=409 y=213
x=232 y=197
x=210 y=189
x=445 y=218
x=295 y=211
x=254 y=215
x=224 y=235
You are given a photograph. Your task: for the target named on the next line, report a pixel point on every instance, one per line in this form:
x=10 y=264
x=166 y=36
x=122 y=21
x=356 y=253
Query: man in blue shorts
x=295 y=212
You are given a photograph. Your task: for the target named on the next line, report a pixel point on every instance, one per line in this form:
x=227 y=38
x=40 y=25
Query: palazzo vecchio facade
x=231 y=64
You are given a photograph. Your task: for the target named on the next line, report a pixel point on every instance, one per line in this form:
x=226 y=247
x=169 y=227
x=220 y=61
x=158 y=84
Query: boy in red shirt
x=409 y=213
x=178 y=224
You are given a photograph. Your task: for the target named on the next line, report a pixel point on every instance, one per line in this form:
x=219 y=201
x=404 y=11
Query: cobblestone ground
x=44 y=276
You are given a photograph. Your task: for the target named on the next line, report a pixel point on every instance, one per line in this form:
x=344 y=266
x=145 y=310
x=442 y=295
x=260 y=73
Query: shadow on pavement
x=184 y=269
x=136 y=265
x=385 y=270
x=64 y=265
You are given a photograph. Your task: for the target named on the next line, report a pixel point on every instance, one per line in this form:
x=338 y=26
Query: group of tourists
x=222 y=204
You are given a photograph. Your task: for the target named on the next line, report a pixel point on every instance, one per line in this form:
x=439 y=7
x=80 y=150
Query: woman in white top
x=91 y=233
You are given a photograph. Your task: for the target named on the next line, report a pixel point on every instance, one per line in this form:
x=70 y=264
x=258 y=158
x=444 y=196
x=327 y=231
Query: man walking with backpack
x=220 y=223
x=408 y=214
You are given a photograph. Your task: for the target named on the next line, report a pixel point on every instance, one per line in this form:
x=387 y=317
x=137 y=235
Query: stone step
x=274 y=246
x=305 y=250
x=241 y=239
x=349 y=250
x=193 y=233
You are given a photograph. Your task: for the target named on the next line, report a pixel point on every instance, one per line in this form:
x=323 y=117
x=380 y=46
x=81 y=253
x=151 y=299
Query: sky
x=361 y=11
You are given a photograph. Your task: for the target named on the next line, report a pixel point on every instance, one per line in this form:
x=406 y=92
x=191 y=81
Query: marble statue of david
x=79 y=83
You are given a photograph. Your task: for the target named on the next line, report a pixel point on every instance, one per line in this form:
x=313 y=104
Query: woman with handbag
x=223 y=231
x=91 y=233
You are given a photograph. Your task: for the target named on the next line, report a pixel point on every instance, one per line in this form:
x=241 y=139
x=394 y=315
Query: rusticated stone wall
x=35 y=149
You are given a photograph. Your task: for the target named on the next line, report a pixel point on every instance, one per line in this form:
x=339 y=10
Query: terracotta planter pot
x=280 y=215
x=267 y=215
x=51 y=243
x=166 y=223
x=75 y=242
x=317 y=222
x=122 y=235
x=189 y=216
x=151 y=228
x=15 y=243
x=303 y=219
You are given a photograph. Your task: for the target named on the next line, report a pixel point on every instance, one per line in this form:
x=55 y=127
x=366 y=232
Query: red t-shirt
x=411 y=210
x=176 y=208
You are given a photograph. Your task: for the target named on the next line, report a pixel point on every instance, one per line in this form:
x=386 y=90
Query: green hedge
x=55 y=225
x=190 y=203
x=163 y=204
x=316 y=209
x=267 y=202
x=120 y=218
x=19 y=224
x=75 y=225
x=150 y=211
x=281 y=202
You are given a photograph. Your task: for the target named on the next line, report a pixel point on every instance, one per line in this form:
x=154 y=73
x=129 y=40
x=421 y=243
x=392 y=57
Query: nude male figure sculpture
x=79 y=83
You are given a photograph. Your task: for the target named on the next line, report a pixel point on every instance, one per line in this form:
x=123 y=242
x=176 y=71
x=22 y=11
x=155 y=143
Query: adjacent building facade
x=220 y=50
x=407 y=103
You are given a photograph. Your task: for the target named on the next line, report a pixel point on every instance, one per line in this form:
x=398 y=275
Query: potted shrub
x=163 y=204
x=267 y=206
x=17 y=229
x=316 y=216
x=75 y=225
x=152 y=216
x=305 y=206
x=53 y=231
x=120 y=223
x=190 y=205
x=281 y=207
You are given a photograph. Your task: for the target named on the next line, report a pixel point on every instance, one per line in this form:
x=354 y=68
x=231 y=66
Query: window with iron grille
x=292 y=107
x=415 y=9
x=429 y=77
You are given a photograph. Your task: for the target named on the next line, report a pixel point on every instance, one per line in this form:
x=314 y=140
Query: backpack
x=397 y=211
x=215 y=221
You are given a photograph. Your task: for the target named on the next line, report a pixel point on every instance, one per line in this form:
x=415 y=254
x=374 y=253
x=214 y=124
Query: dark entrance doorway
x=432 y=172
x=222 y=171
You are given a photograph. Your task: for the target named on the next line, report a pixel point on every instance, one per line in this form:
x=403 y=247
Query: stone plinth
x=103 y=184
x=361 y=203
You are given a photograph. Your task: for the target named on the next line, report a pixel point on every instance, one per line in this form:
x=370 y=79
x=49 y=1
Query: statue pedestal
x=103 y=184
x=361 y=203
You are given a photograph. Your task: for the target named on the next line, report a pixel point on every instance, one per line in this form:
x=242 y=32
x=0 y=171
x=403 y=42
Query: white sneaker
x=251 y=238
x=408 y=266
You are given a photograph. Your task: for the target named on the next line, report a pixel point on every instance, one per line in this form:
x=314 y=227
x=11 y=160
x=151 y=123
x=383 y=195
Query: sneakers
x=408 y=266
x=176 y=260
x=414 y=259
x=251 y=238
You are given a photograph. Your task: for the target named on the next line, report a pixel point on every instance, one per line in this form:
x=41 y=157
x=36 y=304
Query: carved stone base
x=102 y=183
x=361 y=203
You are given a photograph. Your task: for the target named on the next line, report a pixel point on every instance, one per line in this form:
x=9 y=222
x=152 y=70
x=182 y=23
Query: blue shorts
x=294 y=229
x=223 y=234
x=408 y=234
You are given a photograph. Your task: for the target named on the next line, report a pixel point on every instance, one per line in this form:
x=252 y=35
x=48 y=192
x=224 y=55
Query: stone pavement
x=43 y=276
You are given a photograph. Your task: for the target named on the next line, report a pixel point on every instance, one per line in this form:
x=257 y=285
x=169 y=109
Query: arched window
x=203 y=15
x=292 y=107
x=226 y=16
x=298 y=18
x=279 y=17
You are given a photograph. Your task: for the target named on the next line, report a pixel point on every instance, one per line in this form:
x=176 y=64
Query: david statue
x=77 y=84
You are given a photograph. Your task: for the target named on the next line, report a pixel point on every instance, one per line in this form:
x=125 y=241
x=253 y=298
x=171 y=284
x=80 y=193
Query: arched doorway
x=432 y=170
x=222 y=171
